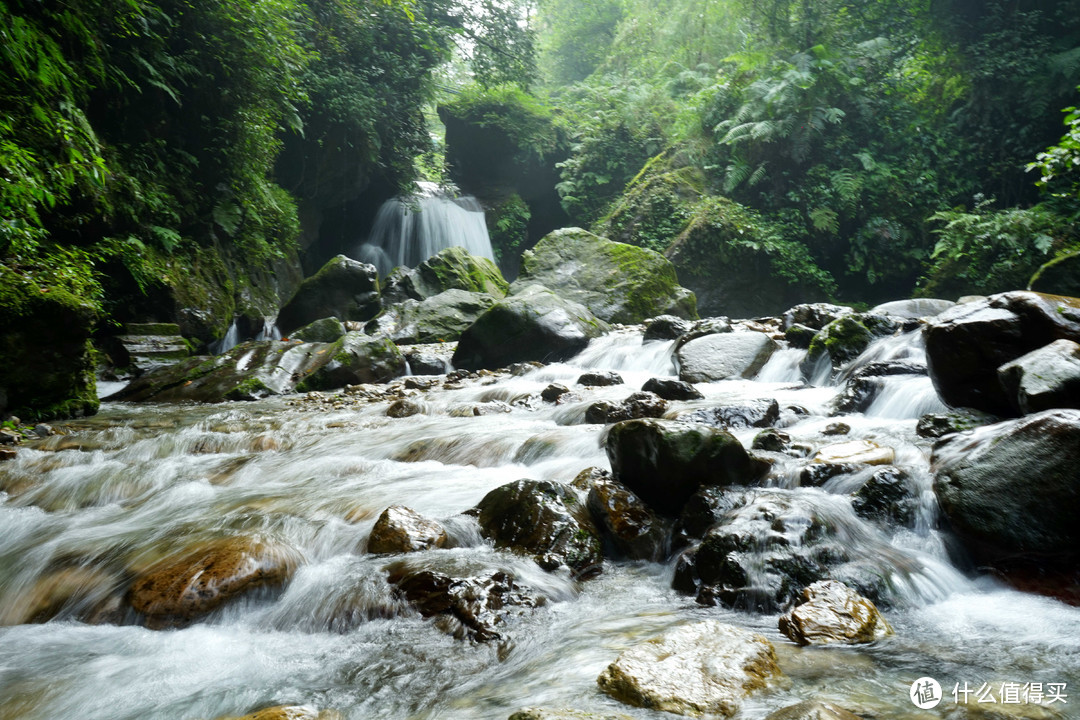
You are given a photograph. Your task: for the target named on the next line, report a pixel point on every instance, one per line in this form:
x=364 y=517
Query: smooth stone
x=671 y=389
x=831 y=612
x=626 y=522
x=600 y=379
x=664 y=327
x=914 y=308
x=1044 y=379
x=404 y=408
x=812 y=710
x=724 y=355
x=401 y=530
x=862 y=452
x=814 y=315
x=704 y=667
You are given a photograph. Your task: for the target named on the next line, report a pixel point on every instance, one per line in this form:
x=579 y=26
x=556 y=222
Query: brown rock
x=204 y=578
x=401 y=530
x=831 y=612
x=7 y=454
x=87 y=593
x=288 y=712
x=812 y=710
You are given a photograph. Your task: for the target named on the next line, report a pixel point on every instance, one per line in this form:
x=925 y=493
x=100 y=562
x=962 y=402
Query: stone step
x=148 y=329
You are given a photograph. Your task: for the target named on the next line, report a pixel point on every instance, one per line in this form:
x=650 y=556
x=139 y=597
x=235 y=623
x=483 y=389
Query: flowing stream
x=135 y=483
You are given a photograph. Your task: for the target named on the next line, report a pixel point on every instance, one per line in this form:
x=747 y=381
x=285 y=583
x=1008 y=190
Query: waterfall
x=409 y=230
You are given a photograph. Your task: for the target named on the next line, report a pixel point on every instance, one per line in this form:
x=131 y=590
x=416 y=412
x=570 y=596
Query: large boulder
x=1011 y=489
x=1044 y=379
x=534 y=324
x=451 y=269
x=180 y=588
x=619 y=283
x=665 y=462
x=343 y=288
x=914 y=308
x=439 y=318
x=255 y=370
x=724 y=355
x=831 y=612
x=765 y=550
x=542 y=519
x=703 y=668
x=966 y=345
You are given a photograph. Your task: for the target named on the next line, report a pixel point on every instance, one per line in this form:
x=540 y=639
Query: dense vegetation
x=163 y=155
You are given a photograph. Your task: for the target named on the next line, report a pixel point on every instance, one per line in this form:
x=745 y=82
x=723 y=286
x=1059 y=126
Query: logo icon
x=925 y=693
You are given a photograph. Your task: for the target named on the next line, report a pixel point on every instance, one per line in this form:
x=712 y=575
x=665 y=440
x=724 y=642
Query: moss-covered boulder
x=665 y=462
x=326 y=330
x=343 y=288
x=255 y=370
x=455 y=269
x=846 y=337
x=738 y=265
x=45 y=350
x=439 y=318
x=619 y=283
x=542 y=519
x=533 y=324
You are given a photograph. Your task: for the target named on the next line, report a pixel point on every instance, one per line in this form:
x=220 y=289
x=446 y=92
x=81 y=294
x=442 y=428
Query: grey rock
x=1044 y=379
x=726 y=355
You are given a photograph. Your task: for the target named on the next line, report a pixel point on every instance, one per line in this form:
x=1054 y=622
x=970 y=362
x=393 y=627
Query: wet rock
x=619 y=283
x=836 y=429
x=476 y=607
x=355 y=359
x=856 y=452
x=664 y=327
x=626 y=522
x=401 y=530
x=9 y=437
x=636 y=406
x=812 y=710
x=43 y=431
x=761 y=554
x=703 y=327
x=600 y=379
x=523 y=368
x=289 y=712
x=817 y=474
x=831 y=612
x=87 y=594
x=914 y=308
x=800 y=336
x=702 y=511
x=671 y=389
x=937 y=425
x=542 y=519
x=754 y=413
x=1044 y=379
x=8 y=454
x=1010 y=489
x=404 y=408
x=455 y=269
x=889 y=495
x=724 y=355
x=841 y=341
x=563 y=714
x=534 y=324
x=343 y=288
x=553 y=392
x=705 y=667
x=771 y=440
x=865 y=384
x=665 y=462
x=967 y=344
x=326 y=330
x=183 y=587
x=429 y=359
x=440 y=318
x=814 y=315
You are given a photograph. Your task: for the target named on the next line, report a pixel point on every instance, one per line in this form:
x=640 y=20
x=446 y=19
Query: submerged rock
x=1044 y=379
x=343 y=288
x=724 y=355
x=665 y=462
x=87 y=594
x=401 y=530
x=967 y=344
x=889 y=495
x=706 y=667
x=619 y=283
x=181 y=588
x=831 y=612
x=1011 y=489
x=477 y=607
x=563 y=714
x=542 y=519
x=289 y=712
x=534 y=324
x=812 y=710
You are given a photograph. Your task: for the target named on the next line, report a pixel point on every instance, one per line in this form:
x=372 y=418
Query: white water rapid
x=408 y=231
x=136 y=482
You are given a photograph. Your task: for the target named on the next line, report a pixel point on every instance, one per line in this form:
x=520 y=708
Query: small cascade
x=228 y=342
x=783 y=367
x=408 y=231
x=270 y=330
x=906 y=397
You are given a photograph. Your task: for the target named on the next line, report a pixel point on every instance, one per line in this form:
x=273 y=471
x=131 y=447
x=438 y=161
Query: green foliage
x=577 y=36
x=531 y=125
x=1059 y=165
x=987 y=251
x=508 y=226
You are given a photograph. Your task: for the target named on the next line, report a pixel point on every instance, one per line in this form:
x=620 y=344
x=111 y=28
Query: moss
x=250 y=389
x=843 y=339
x=454 y=268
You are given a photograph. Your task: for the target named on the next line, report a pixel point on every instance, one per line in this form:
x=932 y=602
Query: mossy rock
x=455 y=269
x=45 y=351
x=656 y=206
x=343 y=288
x=618 y=282
x=843 y=340
x=440 y=318
x=326 y=330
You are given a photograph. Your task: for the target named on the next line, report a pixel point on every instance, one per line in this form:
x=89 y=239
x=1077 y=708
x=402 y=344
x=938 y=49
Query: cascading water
x=409 y=230
x=81 y=513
